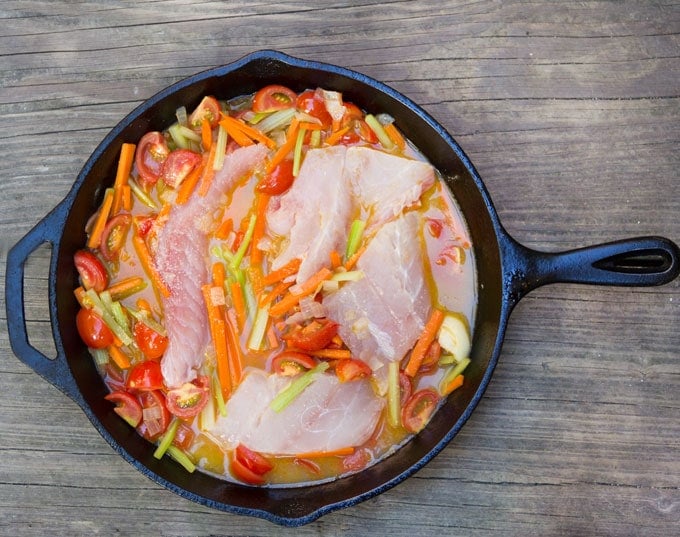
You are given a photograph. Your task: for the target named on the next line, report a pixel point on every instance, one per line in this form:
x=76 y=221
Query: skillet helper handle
x=55 y=371
x=640 y=261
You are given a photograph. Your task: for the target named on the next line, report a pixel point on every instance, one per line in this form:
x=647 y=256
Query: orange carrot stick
x=395 y=136
x=208 y=172
x=333 y=354
x=235 y=357
x=80 y=294
x=189 y=184
x=336 y=260
x=247 y=130
x=126 y=287
x=225 y=228
x=454 y=384
x=426 y=338
x=119 y=357
x=308 y=125
x=260 y=225
x=335 y=137
x=340 y=452
x=232 y=127
x=286 y=147
x=206 y=135
x=239 y=303
x=307 y=288
x=127 y=155
x=149 y=266
x=218 y=274
x=349 y=264
x=286 y=270
x=95 y=238
x=279 y=289
x=218 y=332
x=127 y=197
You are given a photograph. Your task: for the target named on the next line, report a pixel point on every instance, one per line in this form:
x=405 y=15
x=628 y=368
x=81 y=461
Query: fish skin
x=182 y=260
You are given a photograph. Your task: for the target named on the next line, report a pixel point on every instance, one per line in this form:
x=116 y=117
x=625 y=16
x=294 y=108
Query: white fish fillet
x=382 y=315
x=182 y=261
x=328 y=415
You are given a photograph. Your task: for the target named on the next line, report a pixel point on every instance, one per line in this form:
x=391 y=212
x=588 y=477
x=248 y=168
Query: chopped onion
x=152 y=414
x=333 y=102
x=182 y=117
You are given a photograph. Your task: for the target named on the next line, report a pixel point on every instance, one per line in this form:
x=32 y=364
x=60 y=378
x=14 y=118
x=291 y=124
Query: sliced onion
x=151 y=414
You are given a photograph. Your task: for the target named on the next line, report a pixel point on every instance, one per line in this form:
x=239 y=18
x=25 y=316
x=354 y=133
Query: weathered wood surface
x=571 y=113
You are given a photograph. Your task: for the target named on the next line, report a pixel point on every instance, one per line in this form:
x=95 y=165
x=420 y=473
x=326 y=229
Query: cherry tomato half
x=187 y=400
x=278 y=180
x=252 y=460
x=93 y=330
x=145 y=376
x=155 y=415
x=310 y=102
x=352 y=369
x=92 y=272
x=352 y=111
x=357 y=460
x=114 y=236
x=208 y=109
x=290 y=363
x=179 y=164
x=273 y=97
x=417 y=411
x=152 y=150
x=245 y=474
x=127 y=406
x=150 y=342
x=315 y=336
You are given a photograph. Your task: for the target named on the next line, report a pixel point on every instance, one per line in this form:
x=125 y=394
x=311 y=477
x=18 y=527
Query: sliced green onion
x=141 y=195
x=379 y=131
x=143 y=317
x=247 y=237
x=100 y=356
x=223 y=254
x=259 y=329
x=189 y=134
x=355 y=234
x=181 y=458
x=177 y=136
x=453 y=373
x=447 y=359
x=108 y=318
x=295 y=388
x=248 y=295
x=315 y=138
x=255 y=117
x=219 y=398
x=220 y=148
x=393 y=395
x=297 y=152
x=121 y=318
x=207 y=418
x=276 y=120
x=167 y=439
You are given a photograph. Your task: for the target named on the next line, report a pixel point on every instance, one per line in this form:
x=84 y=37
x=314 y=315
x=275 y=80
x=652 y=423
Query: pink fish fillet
x=182 y=259
x=314 y=214
x=328 y=415
x=386 y=184
x=382 y=314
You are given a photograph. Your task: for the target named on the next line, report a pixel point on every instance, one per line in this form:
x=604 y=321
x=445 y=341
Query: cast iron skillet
x=506 y=271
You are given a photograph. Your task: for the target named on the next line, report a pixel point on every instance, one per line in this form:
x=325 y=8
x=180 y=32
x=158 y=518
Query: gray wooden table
x=571 y=113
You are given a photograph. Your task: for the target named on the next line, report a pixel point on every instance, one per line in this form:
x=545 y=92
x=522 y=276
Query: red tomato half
x=150 y=342
x=417 y=411
x=155 y=415
x=352 y=111
x=252 y=460
x=114 y=236
x=291 y=363
x=179 y=164
x=310 y=102
x=208 y=109
x=315 y=336
x=145 y=376
x=245 y=474
x=187 y=400
x=273 y=97
x=93 y=330
x=278 y=180
x=92 y=273
x=352 y=369
x=152 y=150
x=127 y=406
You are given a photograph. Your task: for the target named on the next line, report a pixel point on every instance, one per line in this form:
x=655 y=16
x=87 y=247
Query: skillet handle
x=56 y=370
x=640 y=261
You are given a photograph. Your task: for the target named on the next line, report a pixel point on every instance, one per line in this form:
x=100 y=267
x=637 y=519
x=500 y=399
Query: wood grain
x=570 y=112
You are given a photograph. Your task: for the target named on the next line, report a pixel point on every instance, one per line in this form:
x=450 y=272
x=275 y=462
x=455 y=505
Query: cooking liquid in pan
x=227 y=411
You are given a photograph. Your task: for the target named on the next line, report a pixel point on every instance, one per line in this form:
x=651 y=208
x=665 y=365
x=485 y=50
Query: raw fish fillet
x=182 y=261
x=385 y=184
x=382 y=315
x=315 y=213
x=326 y=416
